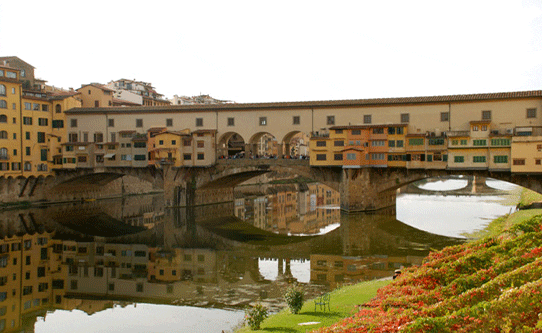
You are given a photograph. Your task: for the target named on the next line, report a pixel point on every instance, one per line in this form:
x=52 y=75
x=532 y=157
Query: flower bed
x=490 y=285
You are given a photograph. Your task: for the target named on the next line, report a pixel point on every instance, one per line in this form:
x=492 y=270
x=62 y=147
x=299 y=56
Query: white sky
x=271 y=51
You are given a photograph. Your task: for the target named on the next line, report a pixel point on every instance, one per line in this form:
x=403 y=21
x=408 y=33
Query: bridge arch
x=263 y=144
x=231 y=144
x=295 y=143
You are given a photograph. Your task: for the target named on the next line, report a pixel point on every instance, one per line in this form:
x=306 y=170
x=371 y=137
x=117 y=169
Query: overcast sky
x=270 y=51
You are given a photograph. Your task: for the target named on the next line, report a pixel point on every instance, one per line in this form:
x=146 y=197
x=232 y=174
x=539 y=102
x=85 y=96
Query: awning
x=109 y=155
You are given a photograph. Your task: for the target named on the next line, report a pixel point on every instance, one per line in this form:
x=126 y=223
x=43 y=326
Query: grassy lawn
x=498 y=225
x=344 y=303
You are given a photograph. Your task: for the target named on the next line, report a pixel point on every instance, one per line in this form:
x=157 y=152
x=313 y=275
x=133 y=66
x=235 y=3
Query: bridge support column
x=366 y=189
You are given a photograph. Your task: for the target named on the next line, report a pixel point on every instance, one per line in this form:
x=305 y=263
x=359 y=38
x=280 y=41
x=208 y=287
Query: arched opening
x=296 y=145
x=263 y=145
x=231 y=145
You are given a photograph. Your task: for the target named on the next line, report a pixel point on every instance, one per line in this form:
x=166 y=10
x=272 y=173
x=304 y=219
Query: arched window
x=3 y=134
x=58 y=108
x=3 y=118
x=2 y=90
x=3 y=104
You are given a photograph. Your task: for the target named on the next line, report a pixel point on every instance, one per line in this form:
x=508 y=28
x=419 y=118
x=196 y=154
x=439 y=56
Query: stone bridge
x=362 y=189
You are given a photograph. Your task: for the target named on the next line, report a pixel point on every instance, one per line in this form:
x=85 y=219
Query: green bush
x=255 y=315
x=294 y=298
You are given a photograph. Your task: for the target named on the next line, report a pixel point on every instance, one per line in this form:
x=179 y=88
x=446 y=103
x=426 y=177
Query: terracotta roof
x=317 y=104
x=96 y=85
x=14 y=57
x=119 y=101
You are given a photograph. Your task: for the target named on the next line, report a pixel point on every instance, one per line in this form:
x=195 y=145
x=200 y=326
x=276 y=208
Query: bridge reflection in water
x=93 y=255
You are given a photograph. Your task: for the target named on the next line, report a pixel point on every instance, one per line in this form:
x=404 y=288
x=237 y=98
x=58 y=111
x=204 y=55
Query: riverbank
x=467 y=288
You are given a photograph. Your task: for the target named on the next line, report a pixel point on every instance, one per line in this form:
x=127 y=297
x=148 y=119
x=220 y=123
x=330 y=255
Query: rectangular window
x=459 y=159
x=139 y=122
x=139 y=157
x=444 y=116
x=27 y=106
x=405 y=117
x=27 y=121
x=43 y=153
x=436 y=142
x=356 y=132
x=338 y=143
x=518 y=161
x=35 y=107
x=296 y=120
x=73 y=122
x=500 y=159
x=111 y=122
x=200 y=144
x=479 y=142
x=367 y=119
x=500 y=142
x=378 y=143
x=415 y=142
x=463 y=142
x=169 y=122
x=486 y=115
x=531 y=113
x=231 y=121
x=187 y=157
x=351 y=156
x=378 y=157
x=41 y=137
x=399 y=144
x=58 y=123
x=201 y=156
x=263 y=121
x=330 y=120
x=187 y=143
x=43 y=121
x=320 y=157
x=479 y=159
x=199 y=122
x=338 y=157
x=320 y=143
x=27 y=150
x=391 y=143
x=378 y=130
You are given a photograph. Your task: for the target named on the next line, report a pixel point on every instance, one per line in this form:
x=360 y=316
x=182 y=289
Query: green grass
x=344 y=302
x=527 y=197
x=501 y=223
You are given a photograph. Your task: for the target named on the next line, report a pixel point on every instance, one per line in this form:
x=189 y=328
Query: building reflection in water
x=96 y=255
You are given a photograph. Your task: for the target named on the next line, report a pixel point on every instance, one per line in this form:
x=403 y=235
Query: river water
x=133 y=265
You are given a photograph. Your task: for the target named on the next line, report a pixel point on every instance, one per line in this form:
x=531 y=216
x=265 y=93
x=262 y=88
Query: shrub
x=294 y=298
x=255 y=315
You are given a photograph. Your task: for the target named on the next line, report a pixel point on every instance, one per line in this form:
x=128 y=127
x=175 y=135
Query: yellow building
x=11 y=150
x=96 y=95
x=526 y=151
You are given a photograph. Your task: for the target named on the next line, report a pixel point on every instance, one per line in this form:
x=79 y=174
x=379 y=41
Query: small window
x=199 y=122
x=263 y=121
x=531 y=113
x=320 y=143
x=169 y=122
x=139 y=122
x=320 y=157
x=405 y=117
x=296 y=120
x=338 y=157
x=486 y=115
x=367 y=119
x=73 y=122
x=518 y=161
x=356 y=132
x=201 y=156
x=111 y=122
x=444 y=116
x=331 y=120
x=231 y=121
